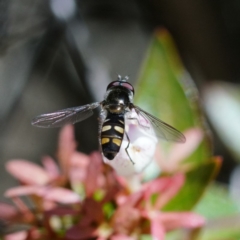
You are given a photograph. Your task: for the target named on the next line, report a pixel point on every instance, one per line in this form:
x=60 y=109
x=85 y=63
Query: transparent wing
x=64 y=116
x=162 y=129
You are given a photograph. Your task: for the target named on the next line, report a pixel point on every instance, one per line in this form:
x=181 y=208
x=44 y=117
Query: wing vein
x=162 y=129
x=65 y=116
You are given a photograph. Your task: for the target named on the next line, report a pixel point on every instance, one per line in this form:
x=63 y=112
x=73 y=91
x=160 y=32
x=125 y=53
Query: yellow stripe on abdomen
x=119 y=129
x=117 y=141
x=105 y=128
x=105 y=140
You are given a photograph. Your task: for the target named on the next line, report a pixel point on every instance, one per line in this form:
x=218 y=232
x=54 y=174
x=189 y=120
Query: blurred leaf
x=146 y=237
x=166 y=90
x=216 y=202
x=196 y=182
x=225 y=96
x=222 y=229
x=173 y=235
x=181 y=234
x=108 y=209
x=221 y=214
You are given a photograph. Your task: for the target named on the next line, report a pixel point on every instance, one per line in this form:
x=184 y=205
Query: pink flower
x=138 y=207
x=47 y=183
x=99 y=205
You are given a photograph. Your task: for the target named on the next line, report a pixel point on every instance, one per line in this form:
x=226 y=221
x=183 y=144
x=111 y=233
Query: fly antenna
x=119 y=77
x=122 y=79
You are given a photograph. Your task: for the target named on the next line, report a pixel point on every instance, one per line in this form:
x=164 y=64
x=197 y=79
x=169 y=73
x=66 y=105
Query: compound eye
x=113 y=84
x=128 y=86
x=121 y=83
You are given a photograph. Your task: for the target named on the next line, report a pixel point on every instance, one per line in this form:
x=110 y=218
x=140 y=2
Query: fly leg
x=126 y=149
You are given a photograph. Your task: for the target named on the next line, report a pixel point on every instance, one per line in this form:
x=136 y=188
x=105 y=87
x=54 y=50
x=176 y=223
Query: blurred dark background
x=58 y=54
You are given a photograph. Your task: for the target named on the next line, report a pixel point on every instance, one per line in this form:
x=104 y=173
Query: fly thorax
x=117 y=100
x=116 y=108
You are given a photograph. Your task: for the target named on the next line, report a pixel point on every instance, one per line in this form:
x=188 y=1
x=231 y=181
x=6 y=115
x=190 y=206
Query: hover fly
x=117 y=103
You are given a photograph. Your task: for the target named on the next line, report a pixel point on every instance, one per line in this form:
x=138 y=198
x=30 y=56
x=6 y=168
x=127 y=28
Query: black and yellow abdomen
x=112 y=135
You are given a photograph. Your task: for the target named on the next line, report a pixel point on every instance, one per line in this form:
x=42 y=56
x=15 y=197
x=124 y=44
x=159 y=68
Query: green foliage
x=108 y=209
x=166 y=90
x=196 y=182
x=216 y=203
x=222 y=234
x=222 y=214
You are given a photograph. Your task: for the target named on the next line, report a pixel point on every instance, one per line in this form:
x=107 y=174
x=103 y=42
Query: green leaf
x=145 y=237
x=166 y=90
x=221 y=212
x=222 y=229
x=108 y=209
x=195 y=184
x=216 y=203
